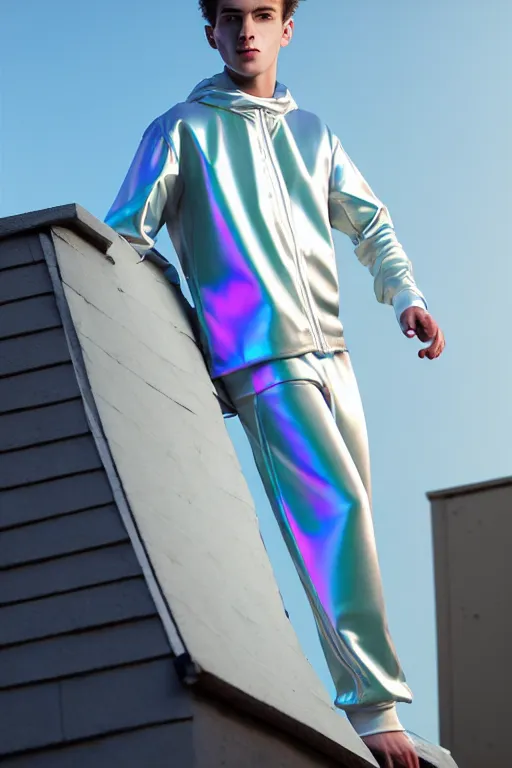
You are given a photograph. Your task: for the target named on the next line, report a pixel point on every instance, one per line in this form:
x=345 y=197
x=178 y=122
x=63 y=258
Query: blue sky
x=418 y=94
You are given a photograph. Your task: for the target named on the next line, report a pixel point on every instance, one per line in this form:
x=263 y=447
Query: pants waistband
x=257 y=378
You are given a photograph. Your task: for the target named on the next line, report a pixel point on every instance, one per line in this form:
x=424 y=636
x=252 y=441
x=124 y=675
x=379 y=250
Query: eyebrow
x=256 y=10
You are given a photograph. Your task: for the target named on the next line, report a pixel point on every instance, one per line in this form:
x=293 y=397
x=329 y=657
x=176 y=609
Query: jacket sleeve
x=149 y=193
x=356 y=211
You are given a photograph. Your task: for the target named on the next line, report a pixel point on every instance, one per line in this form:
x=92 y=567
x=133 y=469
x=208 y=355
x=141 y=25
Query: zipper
x=303 y=286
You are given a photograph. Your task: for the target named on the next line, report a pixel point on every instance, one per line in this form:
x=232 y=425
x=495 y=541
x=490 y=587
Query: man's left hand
x=416 y=321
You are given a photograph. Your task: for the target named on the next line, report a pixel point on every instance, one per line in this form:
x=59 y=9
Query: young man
x=249 y=187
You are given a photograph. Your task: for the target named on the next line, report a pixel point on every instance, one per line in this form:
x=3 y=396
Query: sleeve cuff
x=379 y=718
x=405 y=299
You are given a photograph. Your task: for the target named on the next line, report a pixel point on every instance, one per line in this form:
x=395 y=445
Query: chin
x=249 y=70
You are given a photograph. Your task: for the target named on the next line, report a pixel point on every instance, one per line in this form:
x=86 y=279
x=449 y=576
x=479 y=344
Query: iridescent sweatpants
x=305 y=423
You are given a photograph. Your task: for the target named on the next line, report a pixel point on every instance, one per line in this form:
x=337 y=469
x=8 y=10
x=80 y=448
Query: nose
x=247 y=29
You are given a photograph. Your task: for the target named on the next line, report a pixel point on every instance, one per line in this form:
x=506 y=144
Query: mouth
x=247 y=51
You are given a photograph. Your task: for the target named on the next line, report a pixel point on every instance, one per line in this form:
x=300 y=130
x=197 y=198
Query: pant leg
x=308 y=437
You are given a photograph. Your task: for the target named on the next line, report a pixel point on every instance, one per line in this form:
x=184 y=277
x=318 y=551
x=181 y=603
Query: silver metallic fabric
x=305 y=423
x=250 y=189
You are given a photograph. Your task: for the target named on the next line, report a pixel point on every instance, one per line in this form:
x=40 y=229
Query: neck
x=262 y=85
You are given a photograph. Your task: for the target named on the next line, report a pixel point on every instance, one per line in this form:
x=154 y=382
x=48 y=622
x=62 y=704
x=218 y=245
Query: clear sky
x=419 y=94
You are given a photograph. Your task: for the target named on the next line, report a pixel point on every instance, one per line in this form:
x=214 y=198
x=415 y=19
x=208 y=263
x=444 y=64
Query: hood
x=221 y=92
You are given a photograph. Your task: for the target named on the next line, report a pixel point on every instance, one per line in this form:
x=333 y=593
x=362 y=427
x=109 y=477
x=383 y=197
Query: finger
x=409 y=755
x=429 y=352
x=408 y=326
x=411 y=327
x=426 y=328
x=414 y=760
x=408 y=323
x=435 y=348
x=384 y=758
x=405 y=759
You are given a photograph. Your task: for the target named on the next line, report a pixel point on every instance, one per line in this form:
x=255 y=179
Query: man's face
x=249 y=34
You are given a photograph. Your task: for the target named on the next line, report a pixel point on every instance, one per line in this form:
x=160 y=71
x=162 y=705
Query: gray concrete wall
x=472 y=528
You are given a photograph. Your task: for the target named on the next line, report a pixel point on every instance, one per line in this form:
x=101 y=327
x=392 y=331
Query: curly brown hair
x=209 y=9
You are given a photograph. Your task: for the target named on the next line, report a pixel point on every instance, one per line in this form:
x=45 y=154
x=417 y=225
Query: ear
x=208 y=30
x=287 y=33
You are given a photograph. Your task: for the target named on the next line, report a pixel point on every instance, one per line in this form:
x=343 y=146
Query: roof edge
x=462 y=490
x=70 y=215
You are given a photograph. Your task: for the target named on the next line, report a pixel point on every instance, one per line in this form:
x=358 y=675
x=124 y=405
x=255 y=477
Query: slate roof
x=86 y=670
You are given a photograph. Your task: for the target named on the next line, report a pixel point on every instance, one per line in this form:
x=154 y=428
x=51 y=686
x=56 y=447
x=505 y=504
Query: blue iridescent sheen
x=250 y=189
x=305 y=423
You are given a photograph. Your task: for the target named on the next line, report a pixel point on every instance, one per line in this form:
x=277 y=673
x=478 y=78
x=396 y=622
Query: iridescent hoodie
x=250 y=189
